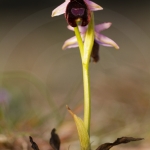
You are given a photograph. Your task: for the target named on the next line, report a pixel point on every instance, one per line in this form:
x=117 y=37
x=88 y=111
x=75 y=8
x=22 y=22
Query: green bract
x=82 y=132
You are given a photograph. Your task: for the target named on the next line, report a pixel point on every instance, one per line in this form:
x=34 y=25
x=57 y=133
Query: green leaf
x=82 y=132
x=89 y=41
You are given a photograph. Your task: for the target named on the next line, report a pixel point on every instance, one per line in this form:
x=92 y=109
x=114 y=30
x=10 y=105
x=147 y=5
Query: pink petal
x=93 y=6
x=72 y=42
x=81 y=29
x=105 y=40
x=102 y=26
x=70 y=28
x=60 y=9
x=71 y=46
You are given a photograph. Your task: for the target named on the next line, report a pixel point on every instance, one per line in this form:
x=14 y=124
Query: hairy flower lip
x=99 y=38
x=62 y=8
x=75 y=10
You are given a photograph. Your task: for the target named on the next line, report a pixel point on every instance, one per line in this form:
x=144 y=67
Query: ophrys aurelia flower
x=76 y=10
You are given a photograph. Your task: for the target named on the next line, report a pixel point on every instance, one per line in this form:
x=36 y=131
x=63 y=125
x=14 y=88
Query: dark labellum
x=77 y=9
x=95 y=52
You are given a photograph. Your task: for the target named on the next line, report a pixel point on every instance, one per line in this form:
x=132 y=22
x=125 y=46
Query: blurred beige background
x=39 y=78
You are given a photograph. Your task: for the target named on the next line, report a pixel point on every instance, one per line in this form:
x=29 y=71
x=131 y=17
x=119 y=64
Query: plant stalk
x=79 y=39
x=87 y=97
x=85 y=56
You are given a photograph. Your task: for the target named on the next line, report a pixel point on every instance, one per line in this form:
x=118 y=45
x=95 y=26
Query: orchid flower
x=99 y=39
x=80 y=18
x=76 y=10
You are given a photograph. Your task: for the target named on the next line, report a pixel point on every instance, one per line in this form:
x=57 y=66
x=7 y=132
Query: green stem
x=88 y=45
x=87 y=97
x=79 y=39
x=85 y=51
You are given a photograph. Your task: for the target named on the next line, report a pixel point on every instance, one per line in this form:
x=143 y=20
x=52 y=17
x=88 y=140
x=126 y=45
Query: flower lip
x=77 y=10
